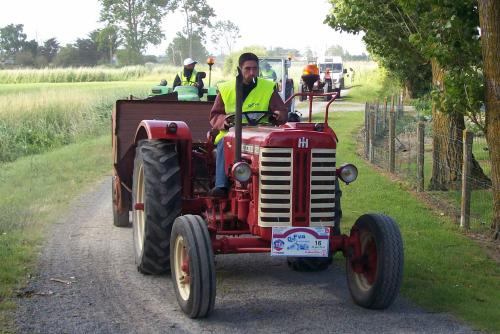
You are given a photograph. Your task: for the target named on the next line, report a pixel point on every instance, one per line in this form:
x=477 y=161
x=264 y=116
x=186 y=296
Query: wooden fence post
x=367 y=130
x=420 y=156
x=385 y=113
x=372 y=137
x=392 y=141
x=466 y=185
x=392 y=103
x=377 y=119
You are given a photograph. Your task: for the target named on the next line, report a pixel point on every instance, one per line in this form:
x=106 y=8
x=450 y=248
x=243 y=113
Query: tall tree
x=138 y=22
x=282 y=52
x=68 y=56
x=224 y=35
x=108 y=41
x=387 y=37
x=87 y=52
x=12 y=39
x=404 y=34
x=49 y=49
x=178 y=50
x=197 y=14
x=489 y=17
x=334 y=50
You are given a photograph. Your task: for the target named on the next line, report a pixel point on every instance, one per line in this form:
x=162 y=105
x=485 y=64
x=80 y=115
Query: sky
x=270 y=23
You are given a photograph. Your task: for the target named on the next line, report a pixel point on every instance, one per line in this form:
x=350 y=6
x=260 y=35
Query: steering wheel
x=254 y=118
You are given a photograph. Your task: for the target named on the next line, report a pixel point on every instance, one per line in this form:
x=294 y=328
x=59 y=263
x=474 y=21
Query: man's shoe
x=218 y=192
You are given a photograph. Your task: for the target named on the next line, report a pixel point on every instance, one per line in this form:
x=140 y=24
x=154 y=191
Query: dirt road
x=319 y=105
x=88 y=283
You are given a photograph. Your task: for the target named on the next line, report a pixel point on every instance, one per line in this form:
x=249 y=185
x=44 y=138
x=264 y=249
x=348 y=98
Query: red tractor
x=284 y=200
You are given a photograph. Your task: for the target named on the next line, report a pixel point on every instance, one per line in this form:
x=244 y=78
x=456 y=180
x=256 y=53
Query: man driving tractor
x=189 y=76
x=257 y=95
x=267 y=72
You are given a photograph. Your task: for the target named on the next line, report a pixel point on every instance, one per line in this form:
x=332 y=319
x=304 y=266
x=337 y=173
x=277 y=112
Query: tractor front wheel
x=375 y=277
x=193 y=266
x=156 y=201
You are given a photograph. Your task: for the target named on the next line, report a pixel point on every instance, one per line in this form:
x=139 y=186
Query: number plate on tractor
x=300 y=241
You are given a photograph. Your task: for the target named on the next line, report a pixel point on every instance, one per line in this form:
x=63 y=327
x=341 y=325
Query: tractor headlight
x=241 y=171
x=347 y=173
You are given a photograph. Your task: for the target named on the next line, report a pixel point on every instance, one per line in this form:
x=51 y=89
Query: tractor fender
x=155 y=129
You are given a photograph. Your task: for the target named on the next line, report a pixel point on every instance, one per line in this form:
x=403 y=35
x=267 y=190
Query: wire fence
x=396 y=140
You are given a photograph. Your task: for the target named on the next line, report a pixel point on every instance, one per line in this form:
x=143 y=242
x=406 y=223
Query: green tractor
x=186 y=93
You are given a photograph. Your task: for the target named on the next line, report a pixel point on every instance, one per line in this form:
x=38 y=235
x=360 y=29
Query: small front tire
x=375 y=278
x=193 y=266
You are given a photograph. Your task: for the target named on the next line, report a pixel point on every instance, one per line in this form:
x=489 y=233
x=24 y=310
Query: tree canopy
x=137 y=22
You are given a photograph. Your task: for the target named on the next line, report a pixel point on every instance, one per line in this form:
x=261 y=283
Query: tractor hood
x=290 y=135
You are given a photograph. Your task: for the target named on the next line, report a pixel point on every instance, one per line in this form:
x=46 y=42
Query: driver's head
x=249 y=65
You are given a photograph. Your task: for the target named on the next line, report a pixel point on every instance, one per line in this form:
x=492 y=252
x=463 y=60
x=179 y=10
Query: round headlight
x=348 y=173
x=241 y=171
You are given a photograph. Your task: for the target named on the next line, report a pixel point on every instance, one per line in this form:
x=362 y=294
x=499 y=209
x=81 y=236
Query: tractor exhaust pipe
x=238 y=117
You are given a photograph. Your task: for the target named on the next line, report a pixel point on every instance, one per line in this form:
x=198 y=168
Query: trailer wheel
x=156 y=201
x=375 y=279
x=120 y=219
x=309 y=263
x=193 y=266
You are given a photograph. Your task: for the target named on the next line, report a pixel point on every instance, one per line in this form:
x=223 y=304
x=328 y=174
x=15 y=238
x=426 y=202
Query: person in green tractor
x=267 y=72
x=189 y=77
x=257 y=95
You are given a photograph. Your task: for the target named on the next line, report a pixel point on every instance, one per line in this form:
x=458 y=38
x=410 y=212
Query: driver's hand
x=278 y=117
x=227 y=122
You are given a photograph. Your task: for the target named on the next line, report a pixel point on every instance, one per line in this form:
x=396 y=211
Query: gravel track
x=256 y=293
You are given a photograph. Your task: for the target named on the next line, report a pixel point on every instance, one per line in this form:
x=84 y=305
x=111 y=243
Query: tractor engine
x=293 y=180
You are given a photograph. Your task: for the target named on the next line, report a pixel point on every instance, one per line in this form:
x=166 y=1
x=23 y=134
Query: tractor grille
x=275 y=187
x=323 y=173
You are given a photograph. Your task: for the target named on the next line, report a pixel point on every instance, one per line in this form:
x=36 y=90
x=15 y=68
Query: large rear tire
x=193 y=266
x=156 y=201
x=376 y=283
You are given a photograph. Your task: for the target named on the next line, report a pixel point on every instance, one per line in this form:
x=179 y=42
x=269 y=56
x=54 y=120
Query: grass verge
x=35 y=190
x=444 y=270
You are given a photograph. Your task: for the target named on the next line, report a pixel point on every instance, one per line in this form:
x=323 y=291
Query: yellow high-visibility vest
x=257 y=99
x=191 y=81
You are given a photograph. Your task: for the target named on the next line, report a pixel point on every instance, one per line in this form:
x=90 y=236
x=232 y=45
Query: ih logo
x=303 y=142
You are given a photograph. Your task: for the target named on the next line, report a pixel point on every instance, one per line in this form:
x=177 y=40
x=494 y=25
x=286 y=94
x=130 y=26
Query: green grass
x=35 y=118
x=444 y=270
x=35 y=191
x=370 y=84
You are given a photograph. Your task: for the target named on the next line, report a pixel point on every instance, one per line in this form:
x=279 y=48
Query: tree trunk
x=447 y=128
x=489 y=18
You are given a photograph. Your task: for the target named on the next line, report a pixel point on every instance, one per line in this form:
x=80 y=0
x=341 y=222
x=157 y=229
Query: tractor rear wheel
x=193 y=266
x=375 y=278
x=309 y=263
x=156 y=201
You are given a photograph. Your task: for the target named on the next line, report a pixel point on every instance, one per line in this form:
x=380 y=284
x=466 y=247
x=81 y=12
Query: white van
x=331 y=73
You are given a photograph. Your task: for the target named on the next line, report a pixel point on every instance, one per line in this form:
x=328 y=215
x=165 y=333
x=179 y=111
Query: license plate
x=300 y=241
